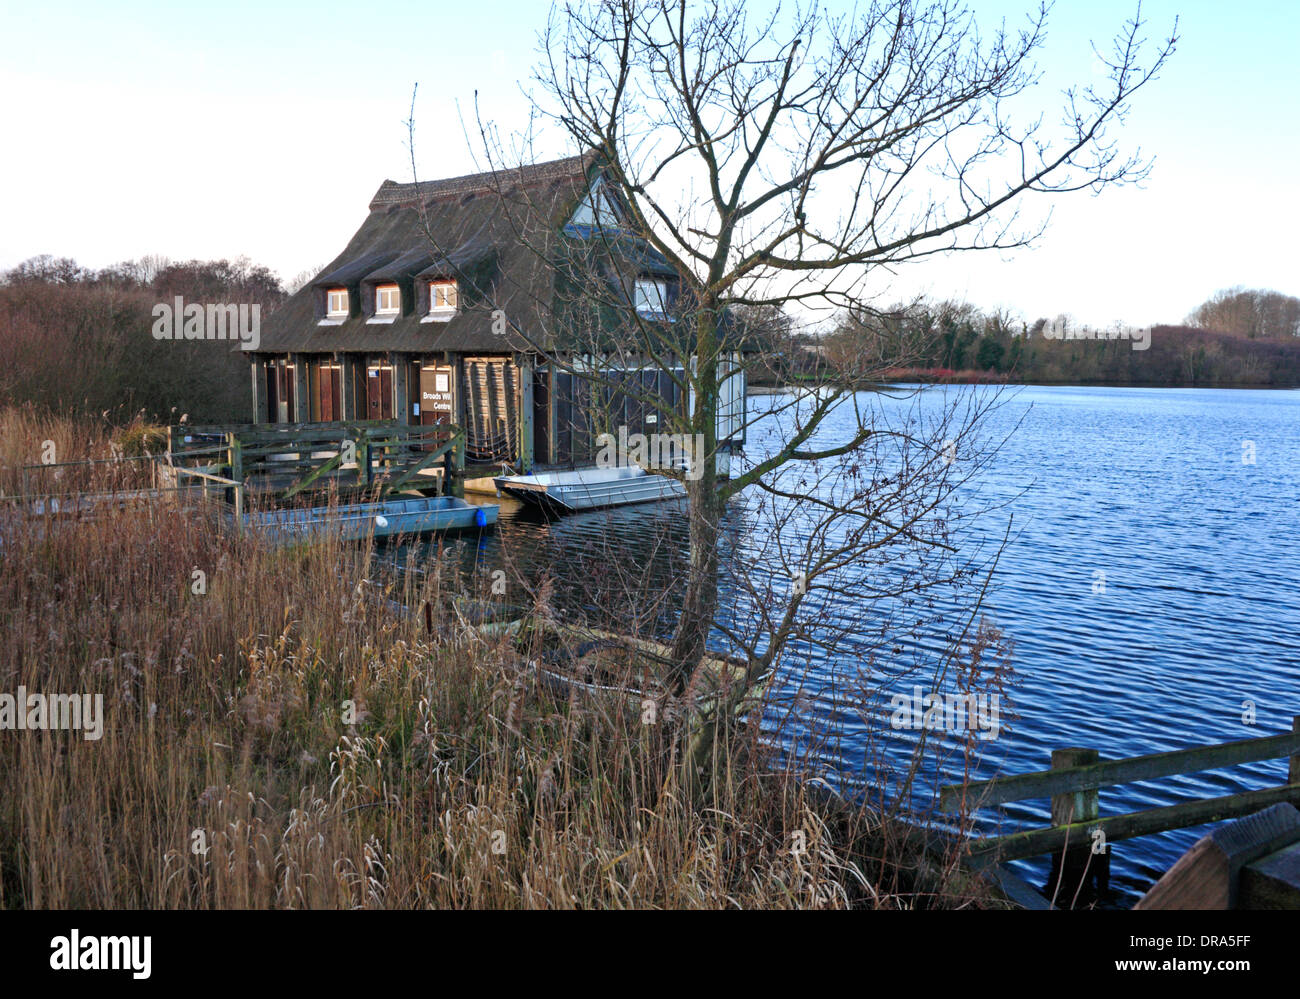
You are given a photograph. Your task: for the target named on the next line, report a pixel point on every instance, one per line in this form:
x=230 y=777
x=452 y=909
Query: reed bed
x=278 y=734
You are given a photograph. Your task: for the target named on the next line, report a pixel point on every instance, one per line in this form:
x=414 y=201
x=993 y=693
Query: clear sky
x=262 y=129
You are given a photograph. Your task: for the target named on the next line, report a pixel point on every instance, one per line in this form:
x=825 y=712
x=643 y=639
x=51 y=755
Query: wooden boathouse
x=453 y=304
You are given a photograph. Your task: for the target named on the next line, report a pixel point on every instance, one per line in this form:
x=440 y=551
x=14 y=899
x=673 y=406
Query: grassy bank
x=275 y=734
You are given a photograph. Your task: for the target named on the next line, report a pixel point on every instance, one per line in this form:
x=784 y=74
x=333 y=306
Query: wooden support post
x=552 y=448
x=454 y=470
x=363 y=460
x=1293 y=771
x=258 y=370
x=401 y=387
x=235 y=459
x=460 y=405
x=348 y=388
x=301 y=390
x=1079 y=875
x=525 y=368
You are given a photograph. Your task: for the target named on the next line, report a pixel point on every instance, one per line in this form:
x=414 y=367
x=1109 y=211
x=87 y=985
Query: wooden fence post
x=1076 y=869
x=1293 y=771
x=235 y=458
x=454 y=476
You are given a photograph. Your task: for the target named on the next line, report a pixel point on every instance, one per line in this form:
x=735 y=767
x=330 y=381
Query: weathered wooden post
x=261 y=410
x=1293 y=770
x=363 y=458
x=235 y=459
x=526 y=428
x=1076 y=868
x=301 y=389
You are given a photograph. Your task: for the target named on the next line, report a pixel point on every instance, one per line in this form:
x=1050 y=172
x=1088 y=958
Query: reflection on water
x=1142 y=491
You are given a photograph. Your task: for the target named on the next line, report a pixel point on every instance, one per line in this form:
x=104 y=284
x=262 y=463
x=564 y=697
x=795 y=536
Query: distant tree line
x=1236 y=338
x=1254 y=314
x=76 y=340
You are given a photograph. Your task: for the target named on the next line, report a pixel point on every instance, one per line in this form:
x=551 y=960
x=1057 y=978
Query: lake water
x=1151 y=588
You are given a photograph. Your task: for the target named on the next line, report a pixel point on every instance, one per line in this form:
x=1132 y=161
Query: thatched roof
x=496 y=233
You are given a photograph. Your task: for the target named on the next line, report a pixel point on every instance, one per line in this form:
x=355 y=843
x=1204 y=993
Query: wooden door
x=329 y=398
x=379 y=393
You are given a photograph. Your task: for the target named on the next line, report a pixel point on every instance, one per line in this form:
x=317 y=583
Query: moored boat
x=589 y=488
x=383 y=518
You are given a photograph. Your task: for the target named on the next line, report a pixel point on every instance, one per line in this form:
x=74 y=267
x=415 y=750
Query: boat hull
x=387 y=518
x=589 y=489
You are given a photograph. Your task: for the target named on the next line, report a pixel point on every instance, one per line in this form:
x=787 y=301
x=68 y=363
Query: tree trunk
x=701 y=598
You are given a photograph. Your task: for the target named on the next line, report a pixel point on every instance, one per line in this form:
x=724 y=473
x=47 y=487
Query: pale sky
x=262 y=129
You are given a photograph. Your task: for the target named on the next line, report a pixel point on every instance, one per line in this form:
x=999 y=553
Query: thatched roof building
x=447 y=302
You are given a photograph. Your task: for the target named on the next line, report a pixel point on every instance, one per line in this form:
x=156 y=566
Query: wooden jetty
x=1080 y=839
x=394 y=478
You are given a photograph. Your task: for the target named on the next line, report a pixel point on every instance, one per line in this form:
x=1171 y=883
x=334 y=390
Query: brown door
x=379 y=393
x=329 y=386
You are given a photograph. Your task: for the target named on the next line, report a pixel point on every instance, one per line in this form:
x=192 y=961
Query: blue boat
x=380 y=519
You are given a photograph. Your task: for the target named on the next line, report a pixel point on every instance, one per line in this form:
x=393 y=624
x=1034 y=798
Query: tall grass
x=277 y=734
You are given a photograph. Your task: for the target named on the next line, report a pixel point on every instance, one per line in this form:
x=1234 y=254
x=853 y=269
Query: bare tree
x=784 y=162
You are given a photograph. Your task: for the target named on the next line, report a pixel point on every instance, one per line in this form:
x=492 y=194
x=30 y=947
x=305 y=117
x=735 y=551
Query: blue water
x=1150 y=585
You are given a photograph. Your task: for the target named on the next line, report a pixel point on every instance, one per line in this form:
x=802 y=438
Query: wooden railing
x=1074 y=785
x=288 y=459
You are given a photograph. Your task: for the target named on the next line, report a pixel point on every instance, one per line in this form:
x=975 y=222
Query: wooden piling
x=1293 y=771
x=1076 y=869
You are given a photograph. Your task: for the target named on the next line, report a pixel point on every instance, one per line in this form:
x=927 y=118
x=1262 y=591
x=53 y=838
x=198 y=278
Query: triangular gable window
x=598 y=209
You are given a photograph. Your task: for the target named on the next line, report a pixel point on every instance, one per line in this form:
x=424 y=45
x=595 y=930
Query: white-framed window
x=388 y=300
x=442 y=297
x=651 y=296
x=336 y=303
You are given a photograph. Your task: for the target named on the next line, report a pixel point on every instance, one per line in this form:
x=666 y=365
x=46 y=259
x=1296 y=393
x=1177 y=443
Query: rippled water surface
x=1151 y=587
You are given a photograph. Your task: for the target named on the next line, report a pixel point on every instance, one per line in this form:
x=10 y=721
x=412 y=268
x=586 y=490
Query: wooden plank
x=1035 y=842
x=1200 y=879
x=1046 y=783
x=1017 y=889
x=1207 y=875
x=429 y=458
x=329 y=466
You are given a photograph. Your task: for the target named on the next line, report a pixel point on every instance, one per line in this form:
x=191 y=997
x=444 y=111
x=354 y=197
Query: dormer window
x=388 y=300
x=443 y=300
x=336 y=303
x=442 y=296
x=652 y=297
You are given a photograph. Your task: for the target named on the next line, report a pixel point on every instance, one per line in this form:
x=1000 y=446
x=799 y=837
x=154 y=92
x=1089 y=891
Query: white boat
x=385 y=518
x=589 y=488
